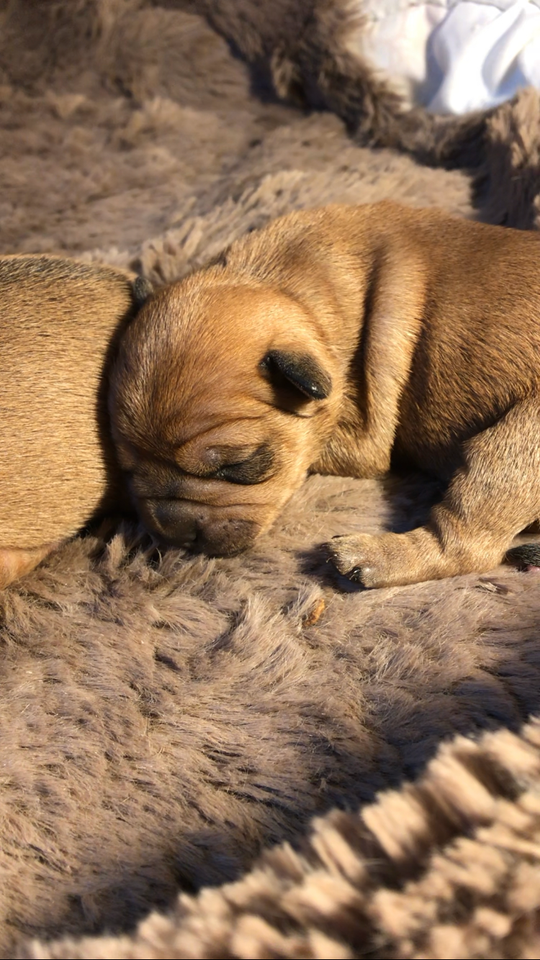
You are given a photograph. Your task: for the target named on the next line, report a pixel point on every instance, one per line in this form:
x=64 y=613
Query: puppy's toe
x=357 y=558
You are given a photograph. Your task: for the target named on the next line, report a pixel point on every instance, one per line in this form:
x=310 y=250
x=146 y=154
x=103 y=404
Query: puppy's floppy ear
x=301 y=370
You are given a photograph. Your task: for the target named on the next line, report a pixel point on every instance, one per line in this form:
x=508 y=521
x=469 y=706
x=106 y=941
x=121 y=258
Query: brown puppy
x=342 y=340
x=58 y=322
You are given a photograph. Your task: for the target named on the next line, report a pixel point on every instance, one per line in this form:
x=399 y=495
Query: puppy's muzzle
x=195 y=526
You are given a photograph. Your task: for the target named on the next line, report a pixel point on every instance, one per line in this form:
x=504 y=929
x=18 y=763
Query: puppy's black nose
x=167 y=519
x=175 y=524
x=186 y=524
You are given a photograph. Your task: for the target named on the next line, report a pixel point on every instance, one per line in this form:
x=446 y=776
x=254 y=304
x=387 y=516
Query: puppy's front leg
x=491 y=498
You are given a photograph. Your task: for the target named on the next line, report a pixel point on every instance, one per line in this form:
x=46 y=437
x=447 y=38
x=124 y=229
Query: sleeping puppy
x=342 y=340
x=58 y=323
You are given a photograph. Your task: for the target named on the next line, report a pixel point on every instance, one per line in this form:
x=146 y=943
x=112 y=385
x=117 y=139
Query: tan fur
x=428 y=328
x=57 y=468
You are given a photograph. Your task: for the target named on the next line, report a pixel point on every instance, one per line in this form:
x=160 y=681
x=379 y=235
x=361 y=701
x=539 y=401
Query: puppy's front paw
x=361 y=558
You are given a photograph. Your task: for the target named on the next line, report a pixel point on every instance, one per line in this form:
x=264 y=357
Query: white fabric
x=456 y=55
x=381 y=9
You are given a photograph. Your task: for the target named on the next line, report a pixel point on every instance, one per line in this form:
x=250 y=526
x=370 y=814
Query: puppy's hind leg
x=16 y=561
x=491 y=498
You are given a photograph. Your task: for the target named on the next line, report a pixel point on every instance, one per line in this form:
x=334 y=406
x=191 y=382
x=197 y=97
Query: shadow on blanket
x=446 y=867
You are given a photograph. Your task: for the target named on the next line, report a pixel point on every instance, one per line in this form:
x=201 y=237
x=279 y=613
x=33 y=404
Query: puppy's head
x=221 y=398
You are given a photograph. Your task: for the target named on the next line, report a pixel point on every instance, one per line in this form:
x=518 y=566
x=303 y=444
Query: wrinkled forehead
x=211 y=329
x=197 y=367
x=249 y=314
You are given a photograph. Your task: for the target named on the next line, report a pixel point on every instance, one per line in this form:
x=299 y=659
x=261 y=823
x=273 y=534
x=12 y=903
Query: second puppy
x=59 y=320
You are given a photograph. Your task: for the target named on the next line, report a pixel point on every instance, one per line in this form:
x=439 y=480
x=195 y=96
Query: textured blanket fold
x=446 y=867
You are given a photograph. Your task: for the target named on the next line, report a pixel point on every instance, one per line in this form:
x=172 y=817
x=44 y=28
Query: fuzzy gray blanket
x=163 y=717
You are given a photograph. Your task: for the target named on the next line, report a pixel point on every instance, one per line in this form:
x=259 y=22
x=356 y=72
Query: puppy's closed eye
x=254 y=469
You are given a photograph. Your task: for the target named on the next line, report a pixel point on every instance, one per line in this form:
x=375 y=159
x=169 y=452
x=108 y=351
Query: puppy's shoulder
x=45 y=270
x=46 y=289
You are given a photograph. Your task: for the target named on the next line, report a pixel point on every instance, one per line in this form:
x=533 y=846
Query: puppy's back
x=58 y=321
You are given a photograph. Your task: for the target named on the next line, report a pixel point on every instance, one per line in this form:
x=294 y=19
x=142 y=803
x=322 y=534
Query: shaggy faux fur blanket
x=164 y=717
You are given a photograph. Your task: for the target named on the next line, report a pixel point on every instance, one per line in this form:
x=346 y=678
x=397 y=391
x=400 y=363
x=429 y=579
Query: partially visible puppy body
x=16 y=561
x=342 y=340
x=58 y=323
